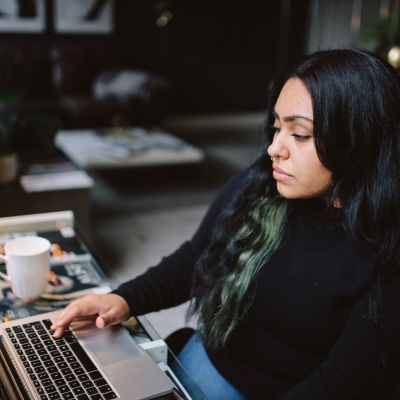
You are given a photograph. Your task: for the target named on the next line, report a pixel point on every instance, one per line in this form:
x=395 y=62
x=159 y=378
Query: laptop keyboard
x=58 y=368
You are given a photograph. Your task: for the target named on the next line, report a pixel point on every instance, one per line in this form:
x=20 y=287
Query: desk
x=128 y=148
x=77 y=270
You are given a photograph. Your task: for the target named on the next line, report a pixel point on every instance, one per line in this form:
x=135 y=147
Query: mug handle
x=4 y=276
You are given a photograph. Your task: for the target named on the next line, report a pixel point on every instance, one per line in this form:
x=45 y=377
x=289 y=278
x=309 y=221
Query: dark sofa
x=71 y=84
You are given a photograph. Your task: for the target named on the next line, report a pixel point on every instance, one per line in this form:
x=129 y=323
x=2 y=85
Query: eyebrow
x=292 y=118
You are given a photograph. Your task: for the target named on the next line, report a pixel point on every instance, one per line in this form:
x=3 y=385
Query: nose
x=278 y=147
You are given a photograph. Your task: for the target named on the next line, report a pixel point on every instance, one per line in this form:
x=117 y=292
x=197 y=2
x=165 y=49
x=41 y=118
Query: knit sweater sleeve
x=168 y=284
x=364 y=363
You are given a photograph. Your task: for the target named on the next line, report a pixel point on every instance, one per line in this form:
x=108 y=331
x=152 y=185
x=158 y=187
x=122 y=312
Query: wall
x=338 y=23
x=221 y=55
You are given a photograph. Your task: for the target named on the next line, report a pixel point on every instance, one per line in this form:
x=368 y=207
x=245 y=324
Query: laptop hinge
x=10 y=381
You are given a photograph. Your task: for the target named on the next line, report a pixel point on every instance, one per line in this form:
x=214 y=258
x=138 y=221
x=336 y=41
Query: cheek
x=317 y=175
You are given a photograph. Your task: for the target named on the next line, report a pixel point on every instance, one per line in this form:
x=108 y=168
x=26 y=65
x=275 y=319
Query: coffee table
x=125 y=147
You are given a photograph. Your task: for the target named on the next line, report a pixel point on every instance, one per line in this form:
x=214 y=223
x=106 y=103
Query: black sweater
x=307 y=335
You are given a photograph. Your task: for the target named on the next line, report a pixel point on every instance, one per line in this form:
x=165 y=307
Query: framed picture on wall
x=84 y=16
x=22 y=16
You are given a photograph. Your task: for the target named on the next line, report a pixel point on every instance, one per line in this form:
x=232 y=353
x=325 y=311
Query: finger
x=77 y=309
x=66 y=316
x=59 y=331
x=102 y=321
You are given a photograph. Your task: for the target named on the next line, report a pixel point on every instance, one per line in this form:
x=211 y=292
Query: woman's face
x=297 y=169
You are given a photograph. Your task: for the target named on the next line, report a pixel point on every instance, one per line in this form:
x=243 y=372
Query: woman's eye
x=301 y=137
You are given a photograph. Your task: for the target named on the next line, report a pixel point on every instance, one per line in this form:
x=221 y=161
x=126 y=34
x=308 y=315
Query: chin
x=289 y=194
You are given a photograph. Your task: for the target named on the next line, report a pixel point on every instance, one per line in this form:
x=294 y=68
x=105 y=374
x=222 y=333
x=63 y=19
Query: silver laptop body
x=124 y=369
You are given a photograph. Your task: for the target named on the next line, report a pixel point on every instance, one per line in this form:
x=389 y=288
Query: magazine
x=73 y=273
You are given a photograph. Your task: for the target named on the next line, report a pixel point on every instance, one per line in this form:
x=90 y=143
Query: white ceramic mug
x=27 y=261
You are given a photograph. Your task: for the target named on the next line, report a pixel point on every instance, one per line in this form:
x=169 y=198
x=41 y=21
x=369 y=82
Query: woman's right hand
x=108 y=309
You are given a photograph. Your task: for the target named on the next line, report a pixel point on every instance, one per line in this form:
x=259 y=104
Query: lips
x=280 y=175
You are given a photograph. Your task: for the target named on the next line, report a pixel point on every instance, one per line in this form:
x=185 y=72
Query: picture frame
x=22 y=16
x=84 y=16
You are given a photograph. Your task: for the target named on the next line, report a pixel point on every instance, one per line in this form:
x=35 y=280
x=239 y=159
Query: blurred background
x=199 y=71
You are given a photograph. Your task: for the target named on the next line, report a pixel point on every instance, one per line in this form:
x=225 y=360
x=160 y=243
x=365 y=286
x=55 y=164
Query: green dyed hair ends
x=232 y=295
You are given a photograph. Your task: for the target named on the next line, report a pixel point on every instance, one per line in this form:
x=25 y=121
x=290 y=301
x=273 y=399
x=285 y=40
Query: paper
x=56 y=181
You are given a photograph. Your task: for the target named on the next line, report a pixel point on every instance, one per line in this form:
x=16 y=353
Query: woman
x=296 y=283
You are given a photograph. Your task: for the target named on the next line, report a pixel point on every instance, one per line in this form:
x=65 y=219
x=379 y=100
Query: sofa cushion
x=70 y=75
x=125 y=85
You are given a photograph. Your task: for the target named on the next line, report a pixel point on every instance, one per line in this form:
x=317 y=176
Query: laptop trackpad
x=109 y=345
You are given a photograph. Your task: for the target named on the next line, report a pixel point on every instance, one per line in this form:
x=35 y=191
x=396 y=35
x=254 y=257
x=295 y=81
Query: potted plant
x=8 y=147
x=383 y=35
x=22 y=135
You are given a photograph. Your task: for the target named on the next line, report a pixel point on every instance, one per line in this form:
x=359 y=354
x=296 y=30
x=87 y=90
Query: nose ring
x=272 y=157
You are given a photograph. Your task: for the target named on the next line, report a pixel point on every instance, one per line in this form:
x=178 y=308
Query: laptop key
x=78 y=390
x=69 y=378
x=36 y=384
x=47 y=323
x=36 y=363
x=56 y=375
x=105 y=389
x=83 y=378
x=79 y=371
x=50 y=389
x=60 y=382
x=91 y=391
x=100 y=382
x=83 y=357
x=43 y=375
x=52 y=370
x=74 y=384
x=70 y=339
x=66 y=371
x=109 y=396
x=83 y=397
x=95 y=375
x=48 y=363
x=75 y=365
x=46 y=382
x=40 y=391
x=87 y=384
x=17 y=329
x=64 y=389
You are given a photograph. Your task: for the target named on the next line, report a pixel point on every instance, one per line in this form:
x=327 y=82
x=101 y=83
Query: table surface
x=78 y=269
x=122 y=148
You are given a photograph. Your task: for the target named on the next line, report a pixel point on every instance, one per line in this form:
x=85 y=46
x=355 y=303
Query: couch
x=80 y=87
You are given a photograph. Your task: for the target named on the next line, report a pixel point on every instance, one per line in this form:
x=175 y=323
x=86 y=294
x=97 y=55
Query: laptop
x=86 y=363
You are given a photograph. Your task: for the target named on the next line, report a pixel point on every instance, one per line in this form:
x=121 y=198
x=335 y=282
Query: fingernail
x=105 y=321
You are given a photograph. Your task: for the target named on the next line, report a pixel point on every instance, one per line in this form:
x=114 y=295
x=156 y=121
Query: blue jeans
x=194 y=359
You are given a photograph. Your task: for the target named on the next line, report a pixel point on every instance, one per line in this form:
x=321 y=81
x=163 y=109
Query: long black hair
x=356 y=107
